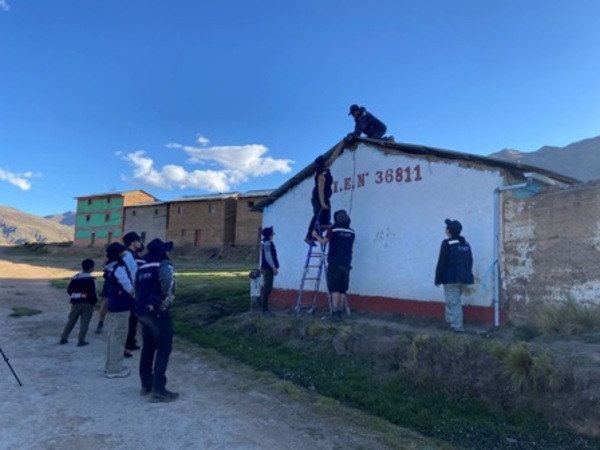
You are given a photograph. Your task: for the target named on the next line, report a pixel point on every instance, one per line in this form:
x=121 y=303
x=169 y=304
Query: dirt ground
x=66 y=402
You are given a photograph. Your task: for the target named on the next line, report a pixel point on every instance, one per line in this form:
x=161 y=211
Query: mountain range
x=580 y=160
x=17 y=227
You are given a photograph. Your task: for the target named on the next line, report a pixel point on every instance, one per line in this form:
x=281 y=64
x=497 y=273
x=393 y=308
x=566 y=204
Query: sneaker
x=82 y=343
x=163 y=397
x=99 y=328
x=122 y=374
x=133 y=347
x=62 y=342
x=126 y=354
x=145 y=391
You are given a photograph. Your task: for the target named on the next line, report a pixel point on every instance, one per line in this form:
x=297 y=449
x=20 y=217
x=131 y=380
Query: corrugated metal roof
x=415 y=150
x=115 y=194
x=198 y=198
x=257 y=193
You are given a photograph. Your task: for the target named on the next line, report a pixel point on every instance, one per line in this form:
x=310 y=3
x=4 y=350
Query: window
x=156 y=211
x=107 y=199
x=143 y=236
x=212 y=208
x=107 y=217
x=87 y=218
x=89 y=201
x=250 y=205
x=182 y=233
x=133 y=213
x=180 y=210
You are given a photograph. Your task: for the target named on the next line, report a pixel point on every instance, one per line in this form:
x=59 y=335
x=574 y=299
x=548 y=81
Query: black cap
x=114 y=250
x=353 y=108
x=454 y=227
x=130 y=237
x=158 y=246
x=267 y=232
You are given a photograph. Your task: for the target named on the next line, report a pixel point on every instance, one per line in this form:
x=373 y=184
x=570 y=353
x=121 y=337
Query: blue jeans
x=157 y=338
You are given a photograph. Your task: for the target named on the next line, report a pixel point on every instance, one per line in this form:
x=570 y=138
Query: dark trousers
x=157 y=343
x=130 y=343
x=83 y=310
x=320 y=216
x=267 y=287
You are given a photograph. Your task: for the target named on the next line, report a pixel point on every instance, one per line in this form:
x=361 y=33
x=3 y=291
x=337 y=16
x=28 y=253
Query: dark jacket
x=154 y=285
x=268 y=258
x=82 y=289
x=117 y=287
x=368 y=124
x=455 y=263
x=341 y=241
x=327 y=191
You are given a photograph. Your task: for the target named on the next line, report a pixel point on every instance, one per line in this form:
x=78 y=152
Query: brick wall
x=248 y=223
x=551 y=250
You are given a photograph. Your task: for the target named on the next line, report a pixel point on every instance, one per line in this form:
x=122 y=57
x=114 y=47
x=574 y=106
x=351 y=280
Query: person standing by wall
x=269 y=267
x=339 y=259
x=455 y=271
x=82 y=291
x=117 y=291
x=155 y=293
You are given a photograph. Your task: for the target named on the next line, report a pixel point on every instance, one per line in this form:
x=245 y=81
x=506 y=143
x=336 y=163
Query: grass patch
x=19 y=311
x=568 y=318
x=204 y=313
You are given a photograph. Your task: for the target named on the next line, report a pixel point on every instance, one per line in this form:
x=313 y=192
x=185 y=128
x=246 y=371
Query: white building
x=398 y=197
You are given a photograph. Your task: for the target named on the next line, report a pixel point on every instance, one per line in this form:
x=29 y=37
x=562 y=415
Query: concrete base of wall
x=386 y=305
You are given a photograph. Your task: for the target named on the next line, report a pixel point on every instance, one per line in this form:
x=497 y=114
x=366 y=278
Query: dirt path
x=66 y=402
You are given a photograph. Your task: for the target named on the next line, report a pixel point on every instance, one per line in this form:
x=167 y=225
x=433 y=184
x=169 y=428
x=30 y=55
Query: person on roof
x=365 y=123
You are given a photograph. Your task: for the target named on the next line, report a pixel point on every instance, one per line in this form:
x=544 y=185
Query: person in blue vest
x=118 y=293
x=83 y=297
x=454 y=270
x=154 y=296
x=365 y=123
x=269 y=267
x=340 y=238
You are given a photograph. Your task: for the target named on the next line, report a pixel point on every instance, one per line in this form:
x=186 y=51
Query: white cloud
x=20 y=180
x=4 y=6
x=203 y=141
x=227 y=166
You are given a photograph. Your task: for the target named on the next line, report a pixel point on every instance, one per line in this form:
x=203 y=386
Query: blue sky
x=196 y=97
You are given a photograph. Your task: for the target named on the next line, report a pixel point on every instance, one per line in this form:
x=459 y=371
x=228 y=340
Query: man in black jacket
x=365 y=123
x=82 y=291
x=340 y=238
x=454 y=271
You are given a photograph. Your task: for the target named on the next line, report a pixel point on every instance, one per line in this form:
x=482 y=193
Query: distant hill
x=17 y=227
x=579 y=160
x=66 y=218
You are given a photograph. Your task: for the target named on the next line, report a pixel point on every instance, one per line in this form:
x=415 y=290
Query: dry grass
x=568 y=318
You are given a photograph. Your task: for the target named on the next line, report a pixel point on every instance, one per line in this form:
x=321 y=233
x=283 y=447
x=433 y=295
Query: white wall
x=399 y=224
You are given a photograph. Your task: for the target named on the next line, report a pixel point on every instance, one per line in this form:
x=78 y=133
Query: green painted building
x=100 y=217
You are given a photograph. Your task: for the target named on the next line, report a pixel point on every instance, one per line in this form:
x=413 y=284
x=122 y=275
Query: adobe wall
x=248 y=222
x=197 y=223
x=551 y=250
